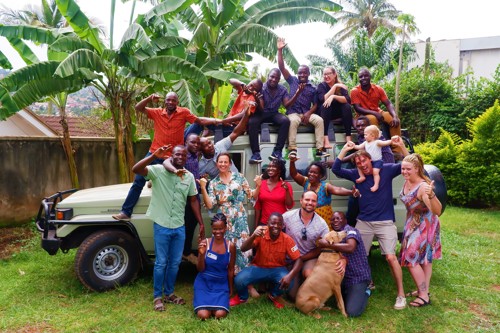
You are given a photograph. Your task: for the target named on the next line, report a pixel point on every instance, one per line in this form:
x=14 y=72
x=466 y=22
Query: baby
x=373 y=146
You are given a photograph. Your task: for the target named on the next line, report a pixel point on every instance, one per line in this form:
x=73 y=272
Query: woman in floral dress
x=226 y=193
x=421 y=237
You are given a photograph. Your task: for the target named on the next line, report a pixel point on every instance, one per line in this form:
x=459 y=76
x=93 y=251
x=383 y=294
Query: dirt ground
x=12 y=239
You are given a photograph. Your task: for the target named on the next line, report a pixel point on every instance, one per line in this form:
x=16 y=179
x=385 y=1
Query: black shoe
x=255 y=159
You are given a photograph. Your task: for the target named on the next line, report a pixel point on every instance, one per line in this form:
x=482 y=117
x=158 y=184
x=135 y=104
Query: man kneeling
x=269 y=264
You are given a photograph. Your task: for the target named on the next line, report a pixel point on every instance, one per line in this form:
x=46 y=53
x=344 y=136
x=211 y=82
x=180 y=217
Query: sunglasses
x=304 y=234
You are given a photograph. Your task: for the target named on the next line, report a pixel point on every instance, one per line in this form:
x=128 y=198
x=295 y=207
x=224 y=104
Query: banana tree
x=223 y=31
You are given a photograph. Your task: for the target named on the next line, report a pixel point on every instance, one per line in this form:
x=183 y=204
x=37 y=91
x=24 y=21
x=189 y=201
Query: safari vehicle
x=111 y=253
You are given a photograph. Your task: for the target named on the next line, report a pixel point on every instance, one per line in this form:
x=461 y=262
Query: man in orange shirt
x=169 y=123
x=269 y=264
x=366 y=98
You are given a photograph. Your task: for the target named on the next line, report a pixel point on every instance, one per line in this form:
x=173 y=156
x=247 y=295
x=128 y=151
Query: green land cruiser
x=111 y=253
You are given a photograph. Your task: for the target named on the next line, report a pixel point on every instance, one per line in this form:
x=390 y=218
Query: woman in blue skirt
x=214 y=283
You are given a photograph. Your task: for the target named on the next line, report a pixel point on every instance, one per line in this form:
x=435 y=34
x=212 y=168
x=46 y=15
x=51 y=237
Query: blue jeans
x=168 y=250
x=356 y=298
x=253 y=274
x=135 y=191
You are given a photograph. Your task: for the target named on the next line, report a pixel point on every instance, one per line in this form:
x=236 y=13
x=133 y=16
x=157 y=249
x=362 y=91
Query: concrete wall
x=33 y=168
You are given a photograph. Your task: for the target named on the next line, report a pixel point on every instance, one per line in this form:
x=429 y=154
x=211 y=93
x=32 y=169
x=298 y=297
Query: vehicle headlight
x=64 y=213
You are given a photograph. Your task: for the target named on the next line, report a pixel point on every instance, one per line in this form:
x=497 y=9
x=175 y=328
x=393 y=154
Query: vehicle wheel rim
x=110 y=263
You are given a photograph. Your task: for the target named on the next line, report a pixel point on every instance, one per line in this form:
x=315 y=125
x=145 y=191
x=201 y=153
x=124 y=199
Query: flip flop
x=174 y=299
x=416 y=304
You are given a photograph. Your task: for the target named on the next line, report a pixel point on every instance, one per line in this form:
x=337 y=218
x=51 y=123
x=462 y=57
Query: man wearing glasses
x=305 y=227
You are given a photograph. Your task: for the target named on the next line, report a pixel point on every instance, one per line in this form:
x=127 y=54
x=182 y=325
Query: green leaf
x=225 y=76
x=80 y=59
x=38 y=71
x=169 y=64
x=23 y=50
x=80 y=23
x=34 y=34
x=135 y=35
x=189 y=97
x=169 y=7
x=70 y=44
x=4 y=61
x=7 y=105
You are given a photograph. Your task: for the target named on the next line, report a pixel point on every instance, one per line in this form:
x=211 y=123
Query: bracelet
x=432 y=197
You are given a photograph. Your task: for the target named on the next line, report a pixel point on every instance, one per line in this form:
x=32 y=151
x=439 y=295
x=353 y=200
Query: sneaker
x=276 y=301
x=121 y=217
x=400 y=303
x=256 y=158
x=292 y=153
x=321 y=153
x=236 y=301
x=276 y=155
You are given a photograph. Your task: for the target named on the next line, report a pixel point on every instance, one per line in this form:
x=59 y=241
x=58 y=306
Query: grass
x=40 y=293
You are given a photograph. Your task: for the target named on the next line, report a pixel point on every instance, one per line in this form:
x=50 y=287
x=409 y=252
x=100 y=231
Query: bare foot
x=253 y=292
x=360 y=180
x=374 y=188
x=326 y=143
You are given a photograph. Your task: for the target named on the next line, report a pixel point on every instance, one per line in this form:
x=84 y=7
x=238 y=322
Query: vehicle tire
x=439 y=184
x=107 y=259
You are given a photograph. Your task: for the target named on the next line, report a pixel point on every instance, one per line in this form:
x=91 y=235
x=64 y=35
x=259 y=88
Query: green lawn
x=40 y=293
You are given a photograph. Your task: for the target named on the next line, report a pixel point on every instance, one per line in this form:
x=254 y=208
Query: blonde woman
x=421 y=237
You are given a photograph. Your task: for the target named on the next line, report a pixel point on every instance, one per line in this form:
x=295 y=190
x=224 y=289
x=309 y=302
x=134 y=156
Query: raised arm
x=281 y=63
x=141 y=106
x=140 y=167
x=240 y=128
x=204 y=194
x=297 y=177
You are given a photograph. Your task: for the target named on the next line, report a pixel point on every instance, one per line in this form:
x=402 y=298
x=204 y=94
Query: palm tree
x=45 y=16
x=367 y=15
x=408 y=27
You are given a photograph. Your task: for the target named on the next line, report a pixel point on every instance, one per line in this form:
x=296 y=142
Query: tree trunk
x=68 y=148
x=209 y=99
x=427 y=56
x=398 y=75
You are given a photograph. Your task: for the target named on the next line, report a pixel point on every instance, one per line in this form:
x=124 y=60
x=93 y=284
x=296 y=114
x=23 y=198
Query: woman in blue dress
x=214 y=283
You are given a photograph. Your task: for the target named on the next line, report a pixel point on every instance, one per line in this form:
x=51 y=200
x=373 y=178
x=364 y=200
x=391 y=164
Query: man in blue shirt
x=376 y=210
x=302 y=106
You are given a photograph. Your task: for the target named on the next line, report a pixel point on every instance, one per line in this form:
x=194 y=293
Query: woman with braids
x=214 y=283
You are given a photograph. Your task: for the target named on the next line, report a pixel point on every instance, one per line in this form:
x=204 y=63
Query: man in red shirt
x=169 y=123
x=366 y=98
x=273 y=247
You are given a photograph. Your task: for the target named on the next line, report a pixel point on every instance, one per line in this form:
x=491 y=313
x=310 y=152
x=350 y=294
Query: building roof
x=79 y=126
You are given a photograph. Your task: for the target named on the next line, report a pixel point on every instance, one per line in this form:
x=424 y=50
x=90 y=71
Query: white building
x=481 y=55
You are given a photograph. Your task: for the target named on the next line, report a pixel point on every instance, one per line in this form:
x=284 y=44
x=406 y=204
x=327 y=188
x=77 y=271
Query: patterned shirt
x=306 y=98
x=169 y=129
x=193 y=166
x=371 y=99
x=273 y=98
x=271 y=254
x=169 y=197
x=357 y=269
x=315 y=229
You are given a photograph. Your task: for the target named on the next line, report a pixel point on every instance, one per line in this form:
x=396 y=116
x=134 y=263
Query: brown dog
x=323 y=282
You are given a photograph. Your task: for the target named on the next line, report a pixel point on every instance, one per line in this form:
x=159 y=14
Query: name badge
x=212 y=256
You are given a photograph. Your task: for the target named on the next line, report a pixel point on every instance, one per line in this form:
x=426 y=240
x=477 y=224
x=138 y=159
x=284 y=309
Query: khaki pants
x=296 y=120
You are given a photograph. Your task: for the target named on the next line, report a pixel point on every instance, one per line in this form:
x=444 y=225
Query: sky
x=437 y=19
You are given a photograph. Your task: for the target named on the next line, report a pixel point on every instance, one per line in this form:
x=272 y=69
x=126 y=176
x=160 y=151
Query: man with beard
x=166 y=209
x=305 y=227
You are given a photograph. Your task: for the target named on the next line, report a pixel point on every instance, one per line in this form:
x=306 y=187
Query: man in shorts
x=376 y=210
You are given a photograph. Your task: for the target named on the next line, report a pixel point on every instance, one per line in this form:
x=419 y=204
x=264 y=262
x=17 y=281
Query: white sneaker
x=400 y=303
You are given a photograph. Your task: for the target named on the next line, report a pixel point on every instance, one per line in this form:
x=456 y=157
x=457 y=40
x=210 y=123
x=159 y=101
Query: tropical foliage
x=470 y=167
x=366 y=15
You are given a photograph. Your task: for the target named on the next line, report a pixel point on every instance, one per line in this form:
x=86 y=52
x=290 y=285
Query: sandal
x=174 y=299
x=158 y=304
x=417 y=304
x=414 y=294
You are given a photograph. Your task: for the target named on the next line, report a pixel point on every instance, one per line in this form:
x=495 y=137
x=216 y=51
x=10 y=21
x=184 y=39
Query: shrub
x=470 y=167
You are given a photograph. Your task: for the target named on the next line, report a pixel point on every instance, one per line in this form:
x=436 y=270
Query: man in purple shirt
x=302 y=105
x=357 y=274
x=273 y=94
